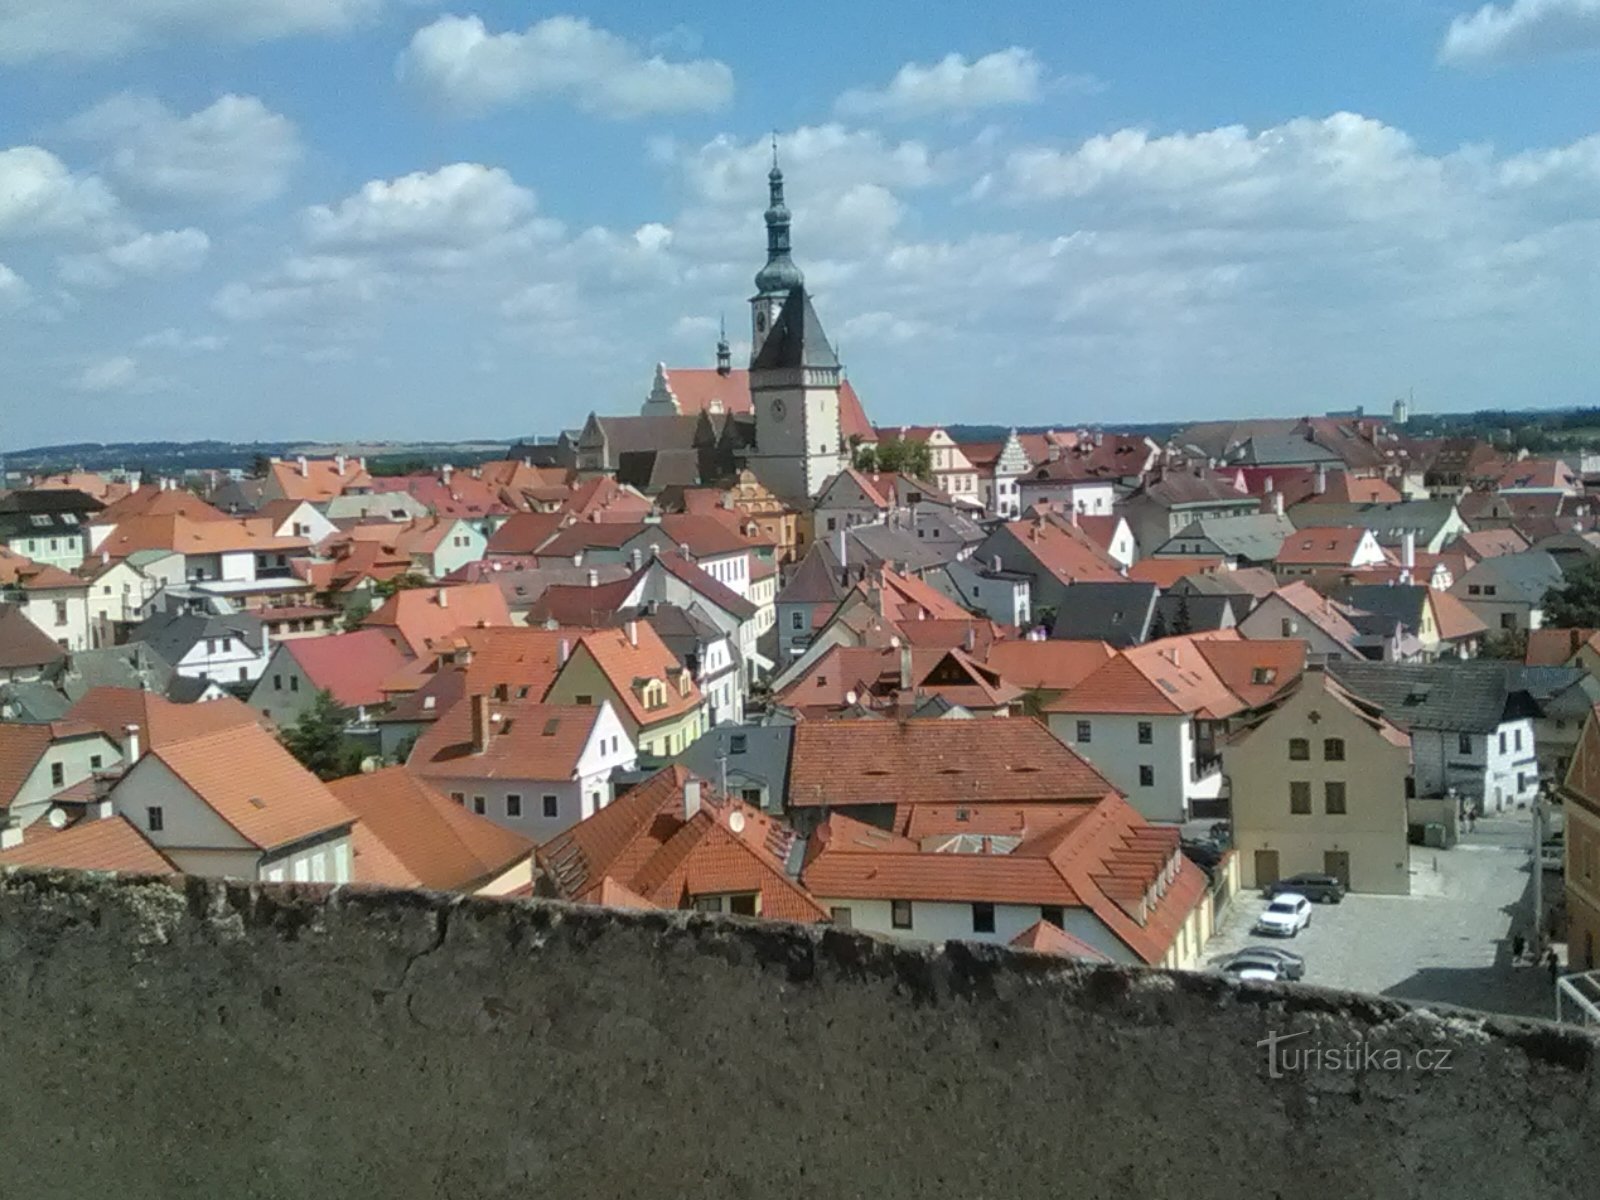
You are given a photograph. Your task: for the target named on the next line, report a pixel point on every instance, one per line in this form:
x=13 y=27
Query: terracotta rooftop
x=112 y=709
x=528 y=740
x=435 y=842
x=420 y=616
x=627 y=664
x=1010 y=760
x=1047 y=665
x=353 y=666
x=107 y=844
x=253 y=784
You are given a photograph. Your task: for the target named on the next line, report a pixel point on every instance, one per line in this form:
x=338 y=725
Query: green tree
x=1506 y=643
x=905 y=457
x=358 y=612
x=1575 y=602
x=317 y=739
x=385 y=588
x=865 y=458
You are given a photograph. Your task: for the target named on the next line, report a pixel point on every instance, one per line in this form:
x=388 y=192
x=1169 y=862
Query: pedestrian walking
x=1554 y=964
x=1518 y=945
x=1472 y=820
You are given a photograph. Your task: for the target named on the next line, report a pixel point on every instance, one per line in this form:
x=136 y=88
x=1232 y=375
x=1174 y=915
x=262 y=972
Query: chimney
x=564 y=652
x=1408 y=550
x=970 y=641
x=996 y=563
x=444 y=474
x=594 y=577
x=683 y=551
x=1321 y=484
x=1268 y=485
x=481 y=733
x=633 y=633
x=130 y=745
x=339 y=461
x=691 y=798
x=844 y=548
x=302 y=466
x=1073 y=516
x=1277 y=504
x=634 y=558
x=362 y=463
x=443 y=596
x=905 y=668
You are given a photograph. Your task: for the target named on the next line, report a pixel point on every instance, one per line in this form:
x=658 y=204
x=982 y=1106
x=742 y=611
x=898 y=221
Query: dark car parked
x=1321 y=889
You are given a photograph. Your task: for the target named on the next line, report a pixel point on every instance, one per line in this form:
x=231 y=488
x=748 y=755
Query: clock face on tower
x=778 y=409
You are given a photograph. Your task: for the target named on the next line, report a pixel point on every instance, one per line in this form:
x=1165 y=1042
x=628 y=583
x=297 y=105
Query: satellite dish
x=736 y=821
x=57 y=819
x=369 y=764
x=850 y=696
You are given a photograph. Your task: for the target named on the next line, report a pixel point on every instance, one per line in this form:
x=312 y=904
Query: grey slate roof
x=1254 y=537
x=1402 y=602
x=31 y=701
x=762 y=757
x=1284 y=449
x=1116 y=613
x=1198 y=614
x=1516 y=577
x=1388 y=522
x=1468 y=696
x=135 y=665
x=817 y=578
x=172 y=635
x=796 y=339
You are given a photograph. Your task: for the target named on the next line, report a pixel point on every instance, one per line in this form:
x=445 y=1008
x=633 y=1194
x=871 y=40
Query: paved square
x=1449 y=941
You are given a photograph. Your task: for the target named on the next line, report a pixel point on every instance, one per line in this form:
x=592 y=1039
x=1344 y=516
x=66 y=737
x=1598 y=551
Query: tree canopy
x=1575 y=602
x=906 y=457
x=317 y=739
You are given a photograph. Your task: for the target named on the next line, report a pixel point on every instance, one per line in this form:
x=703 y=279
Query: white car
x=1286 y=916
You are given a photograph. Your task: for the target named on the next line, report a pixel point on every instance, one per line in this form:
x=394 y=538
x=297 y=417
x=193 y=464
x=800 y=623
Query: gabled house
x=227 y=649
x=1441 y=624
x=999 y=466
x=534 y=768
x=1319 y=784
x=952 y=471
x=352 y=667
x=1054 y=553
x=411 y=835
x=892 y=681
x=1113 y=535
x=1067 y=485
x=1173 y=500
x=656 y=697
x=851 y=497
x=26 y=651
x=1119 y=613
x=878 y=771
x=434 y=546
x=750 y=762
x=1507 y=592
x=1432 y=524
x=1333 y=548
x=414 y=618
x=315 y=479
x=1296 y=610
x=1005 y=597
x=674 y=842
x=236 y=804
x=1472 y=733
x=1250 y=540
x=47 y=525
x=156 y=720
x=1104 y=877
x=55 y=600
x=1152 y=718
x=40 y=762
x=810 y=594
x=295 y=519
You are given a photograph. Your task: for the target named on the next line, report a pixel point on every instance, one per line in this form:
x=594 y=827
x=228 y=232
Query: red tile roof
x=705 y=389
x=872 y=675
x=1210 y=676
x=353 y=666
x=435 y=842
x=253 y=784
x=528 y=740
x=421 y=616
x=322 y=479
x=24 y=644
x=642 y=842
x=107 y=844
x=1046 y=938
x=524 y=533
x=112 y=709
x=151 y=501
x=1011 y=760
x=1556 y=647
x=627 y=664
x=1333 y=545
x=1047 y=665
x=1065 y=550
x=1165 y=571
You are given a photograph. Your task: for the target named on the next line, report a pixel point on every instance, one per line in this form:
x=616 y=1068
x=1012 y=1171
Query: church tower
x=794 y=372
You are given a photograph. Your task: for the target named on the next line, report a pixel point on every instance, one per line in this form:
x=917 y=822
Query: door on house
x=1337 y=864
x=1266 y=867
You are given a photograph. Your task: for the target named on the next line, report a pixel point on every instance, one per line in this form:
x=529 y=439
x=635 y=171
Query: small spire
x=724 y=353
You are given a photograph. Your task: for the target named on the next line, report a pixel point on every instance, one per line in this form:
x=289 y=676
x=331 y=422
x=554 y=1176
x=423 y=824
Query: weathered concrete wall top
x=192 y=1038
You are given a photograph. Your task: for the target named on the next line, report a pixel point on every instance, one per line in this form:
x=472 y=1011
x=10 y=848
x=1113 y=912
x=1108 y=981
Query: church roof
x=797 y=339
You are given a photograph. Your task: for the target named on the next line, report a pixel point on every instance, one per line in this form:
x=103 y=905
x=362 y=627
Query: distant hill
x=175 y=457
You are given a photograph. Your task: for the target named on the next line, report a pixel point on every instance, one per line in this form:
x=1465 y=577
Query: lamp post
x=1537 y=939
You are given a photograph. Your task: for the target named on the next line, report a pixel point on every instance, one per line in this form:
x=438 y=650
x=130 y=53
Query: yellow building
x=655 y=696
x=1319 y=784
x=1580 y=794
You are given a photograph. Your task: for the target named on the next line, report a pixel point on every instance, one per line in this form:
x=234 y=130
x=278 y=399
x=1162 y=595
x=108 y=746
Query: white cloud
x=882 y=327
x=39 y=195
x=460 y=205
x=952 y=85
x=1521 y=30
x=462 y=65
x=117 y=374
x=234 y=151
x=653 y=236
x=14 y=291
x=179 y=342
x=100 y=29
x=146 y=256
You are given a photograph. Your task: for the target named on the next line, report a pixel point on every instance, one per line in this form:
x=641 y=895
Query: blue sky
x=367 y=219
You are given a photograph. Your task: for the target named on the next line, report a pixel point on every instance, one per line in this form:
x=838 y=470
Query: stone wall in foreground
x=178 y=1038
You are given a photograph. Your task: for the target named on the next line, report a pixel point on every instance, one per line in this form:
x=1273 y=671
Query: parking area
x=1448 y=942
